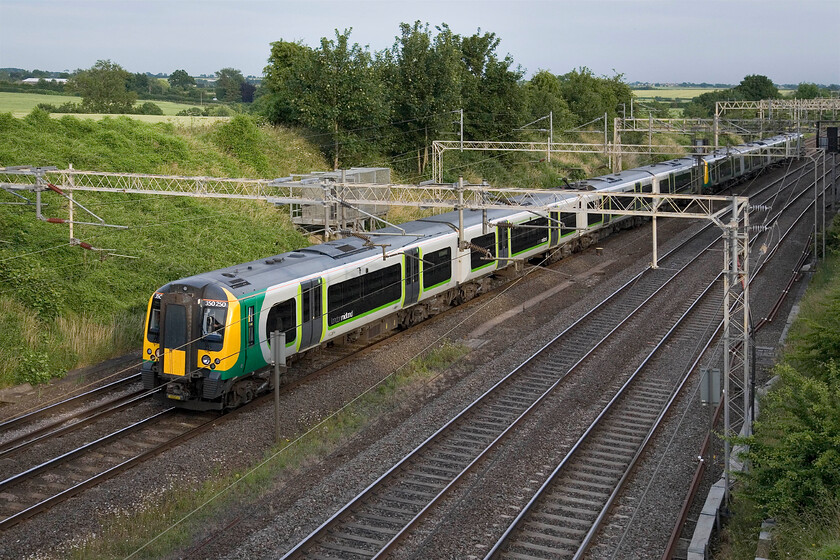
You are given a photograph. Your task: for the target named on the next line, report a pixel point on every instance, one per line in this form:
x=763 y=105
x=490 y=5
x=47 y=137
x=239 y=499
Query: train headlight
x=149 y=351
x=157 y=353
x=205 y=359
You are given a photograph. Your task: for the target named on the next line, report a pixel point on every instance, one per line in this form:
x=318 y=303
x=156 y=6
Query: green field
x=681 y=94
x=670 y=93
x=20 y=104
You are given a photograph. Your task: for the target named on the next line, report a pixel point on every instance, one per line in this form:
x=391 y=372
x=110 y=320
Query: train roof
x=246 y=278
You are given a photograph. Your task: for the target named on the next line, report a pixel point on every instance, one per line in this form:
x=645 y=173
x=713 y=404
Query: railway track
x=564 y=515
x=377 y=519
x=41 y=486
x=72 y=407
x=37 y=486
x=50 y=471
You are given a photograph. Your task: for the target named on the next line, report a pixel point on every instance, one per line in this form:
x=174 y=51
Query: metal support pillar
x=616 y=146
x=736 y=317
x=70 y=197
x=327 y=207
x=833 y=181
x=462 y=128
x=727 y=390
x=650 y=132
x=816 y=209
x=38 y=213
x=822 y=206
x=655 y=258
x=461 y=241
x=606 y=151
x=278 y=358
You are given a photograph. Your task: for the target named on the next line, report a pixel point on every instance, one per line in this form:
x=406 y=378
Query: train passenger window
x=357 y=296
x=213 y=328
x=681 y=180
x=528 y=234
x=593 y=219
x=282 y=317
x=569 y=222
x=437 y=267
x=479 y=259
x=153 y=331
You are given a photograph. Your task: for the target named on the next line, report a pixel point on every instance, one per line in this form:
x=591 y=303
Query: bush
x=191 y=112
x=34 y=368
x=241 y=138
x=149 y=108
x=219 y=111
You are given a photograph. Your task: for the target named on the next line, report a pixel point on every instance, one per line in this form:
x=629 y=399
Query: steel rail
x=29 y=473
x=338 y=517
x=513 y=527
x=105 y=475
x=584 y=438
x=674 y=539
x=670 y=548
x=96 y=413
x=12 y=422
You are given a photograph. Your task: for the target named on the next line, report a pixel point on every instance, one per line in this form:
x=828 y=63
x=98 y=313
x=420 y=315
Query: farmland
x=678 y=93
x=20 y=104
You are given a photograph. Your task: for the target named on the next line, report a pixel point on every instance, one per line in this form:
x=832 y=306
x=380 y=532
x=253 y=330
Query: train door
x=177 y=334
x=412 y=276
x=553 y=229
x=503 y=237
x=312 y=316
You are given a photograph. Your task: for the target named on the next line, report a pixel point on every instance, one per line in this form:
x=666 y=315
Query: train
x=207 y=342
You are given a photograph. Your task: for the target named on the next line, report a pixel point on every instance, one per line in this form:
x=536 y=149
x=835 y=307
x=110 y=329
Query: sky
x=716 y=41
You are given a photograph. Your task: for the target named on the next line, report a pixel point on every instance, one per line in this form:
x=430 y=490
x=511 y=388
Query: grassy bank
x=173 y=522
x=61 y=306
x=795 y=452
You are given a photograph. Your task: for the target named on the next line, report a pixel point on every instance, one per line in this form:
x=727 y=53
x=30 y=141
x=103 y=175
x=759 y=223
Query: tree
x=281 y=78
x=590 y=97
x=246 y=92
x=423 y=74
x=756 y=87
x=545 y=96
x=490 y=91
x=337 y=92
x=138 y=82
x=703 y=106
x=103 y=88
x=806 y=91
x=229 y=84
x=180 y=79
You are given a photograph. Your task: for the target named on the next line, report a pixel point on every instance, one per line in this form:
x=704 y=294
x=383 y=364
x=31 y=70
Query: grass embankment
x=61 y=306
x=163 y=526
x=795 y=453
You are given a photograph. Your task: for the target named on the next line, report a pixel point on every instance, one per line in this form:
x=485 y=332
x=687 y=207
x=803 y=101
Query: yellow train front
x=192 y=346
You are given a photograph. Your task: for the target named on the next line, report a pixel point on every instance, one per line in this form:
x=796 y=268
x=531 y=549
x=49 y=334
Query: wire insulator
x=84 y=245
x=56 y=221
x=54 y=188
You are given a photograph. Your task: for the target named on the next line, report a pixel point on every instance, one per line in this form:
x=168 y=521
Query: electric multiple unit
x=208 y=337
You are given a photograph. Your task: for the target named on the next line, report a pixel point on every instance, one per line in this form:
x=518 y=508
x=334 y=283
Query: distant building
x=34 y=81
